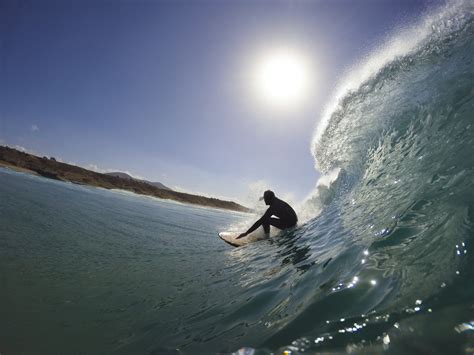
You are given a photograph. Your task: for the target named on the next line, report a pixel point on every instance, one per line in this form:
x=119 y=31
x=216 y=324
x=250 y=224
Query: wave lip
x=409 y=47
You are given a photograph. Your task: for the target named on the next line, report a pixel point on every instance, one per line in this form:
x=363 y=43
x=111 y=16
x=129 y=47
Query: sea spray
x=321 y=196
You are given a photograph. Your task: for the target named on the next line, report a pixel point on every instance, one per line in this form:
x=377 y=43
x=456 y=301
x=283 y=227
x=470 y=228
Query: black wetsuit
x=286 y=217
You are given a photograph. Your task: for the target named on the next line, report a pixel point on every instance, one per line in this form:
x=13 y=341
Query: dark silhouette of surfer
x=286 y=216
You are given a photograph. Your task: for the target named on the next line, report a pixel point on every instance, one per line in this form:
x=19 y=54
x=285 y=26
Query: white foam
x=312 y=205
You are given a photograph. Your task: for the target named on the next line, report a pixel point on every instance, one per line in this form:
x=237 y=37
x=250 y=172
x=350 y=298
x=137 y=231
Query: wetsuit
x=286 y=217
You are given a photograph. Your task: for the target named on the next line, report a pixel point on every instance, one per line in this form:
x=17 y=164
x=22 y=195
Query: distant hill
x=126 y=176
x=50 y=168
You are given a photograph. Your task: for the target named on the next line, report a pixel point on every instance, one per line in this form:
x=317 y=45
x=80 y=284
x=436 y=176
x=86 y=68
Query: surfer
x=286 y=215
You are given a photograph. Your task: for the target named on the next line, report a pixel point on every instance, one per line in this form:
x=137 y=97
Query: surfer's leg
x=266 y=225
x=267 y=222
x=275 y=222
x=279 y=223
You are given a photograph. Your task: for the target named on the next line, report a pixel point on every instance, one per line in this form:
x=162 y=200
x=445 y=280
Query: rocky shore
x=50 y=168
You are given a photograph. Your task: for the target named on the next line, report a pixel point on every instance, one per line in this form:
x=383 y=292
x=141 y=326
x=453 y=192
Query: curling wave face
x=404 y=139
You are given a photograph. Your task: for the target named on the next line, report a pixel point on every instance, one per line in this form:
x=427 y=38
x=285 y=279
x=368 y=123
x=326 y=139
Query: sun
x=282 y=78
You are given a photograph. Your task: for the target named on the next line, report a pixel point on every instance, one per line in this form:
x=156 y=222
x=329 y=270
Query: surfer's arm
x=257 y=224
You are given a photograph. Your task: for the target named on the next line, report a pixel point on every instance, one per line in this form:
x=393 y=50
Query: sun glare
x=283 y=79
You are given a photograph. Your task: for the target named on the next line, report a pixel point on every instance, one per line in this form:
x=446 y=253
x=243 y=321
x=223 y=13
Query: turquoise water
x=94 y=271
x=381 y=263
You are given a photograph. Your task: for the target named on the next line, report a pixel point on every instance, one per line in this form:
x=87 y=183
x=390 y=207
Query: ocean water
x=86 y=270
x=382 y=261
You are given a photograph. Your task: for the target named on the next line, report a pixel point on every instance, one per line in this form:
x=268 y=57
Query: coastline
x=4 y=164
x=52 y=169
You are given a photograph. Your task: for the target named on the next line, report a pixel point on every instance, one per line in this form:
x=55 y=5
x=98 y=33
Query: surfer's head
x=268 y=196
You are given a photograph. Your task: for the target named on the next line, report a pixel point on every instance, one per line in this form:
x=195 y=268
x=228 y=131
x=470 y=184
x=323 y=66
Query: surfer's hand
x=241 y=236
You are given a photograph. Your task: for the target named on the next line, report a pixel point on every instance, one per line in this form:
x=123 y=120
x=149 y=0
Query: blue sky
x=161 y=89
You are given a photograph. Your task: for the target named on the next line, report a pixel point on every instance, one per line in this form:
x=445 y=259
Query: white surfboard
x=231 y=237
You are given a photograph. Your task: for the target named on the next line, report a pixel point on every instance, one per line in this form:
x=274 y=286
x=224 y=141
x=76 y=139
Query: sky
x=165 y=90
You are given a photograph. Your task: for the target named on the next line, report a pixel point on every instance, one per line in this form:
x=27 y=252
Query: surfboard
x=231 y=237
